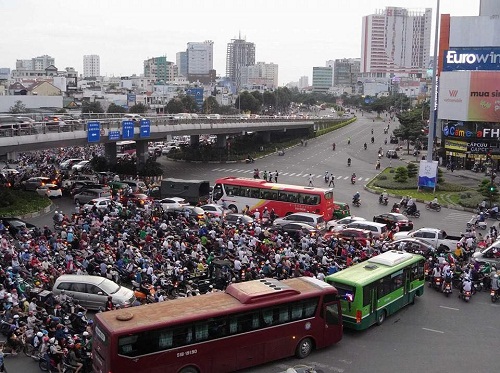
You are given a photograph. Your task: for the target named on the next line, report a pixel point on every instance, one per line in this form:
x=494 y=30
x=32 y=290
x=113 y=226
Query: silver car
x=92 y=291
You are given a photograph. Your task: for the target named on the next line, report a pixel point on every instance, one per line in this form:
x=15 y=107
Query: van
x=133 y=117
x=378 y=230
x=136 y=185
x=9 y=126
x=314 y=220
x=92 y=291
x=85 y=196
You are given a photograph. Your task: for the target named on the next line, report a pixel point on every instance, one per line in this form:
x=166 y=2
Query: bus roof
x=237 y=297
x=249 y=182
x=379 y=266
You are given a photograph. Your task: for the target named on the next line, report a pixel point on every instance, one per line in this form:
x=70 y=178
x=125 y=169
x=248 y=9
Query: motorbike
x=447 y=289
x=492 y=215
x=474 y=222
x=494 y=295
x=436 y=283
x=433 y=206
x=414 y=213
x=395 y=209
x=356 y=202
x=353 y=180
x=383 y=200
x=249 y=160
x=465 y=295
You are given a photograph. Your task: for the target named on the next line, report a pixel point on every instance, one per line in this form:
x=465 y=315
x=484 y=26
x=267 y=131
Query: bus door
x=407 y=284
x=370 y=298
x=332 y=312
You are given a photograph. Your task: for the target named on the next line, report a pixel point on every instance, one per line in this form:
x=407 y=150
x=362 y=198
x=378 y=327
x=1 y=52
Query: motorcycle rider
x=395 y=207
x=349 y=162
x=384 y=196
x=365 y=146
x=447 y=277
x=410 y=205
x=356 y=197
x=494 y=211
x=333 y=146
x=434 y=202
x=353 y=178
x=466 y=285
x=495 y=284
x=436 y=273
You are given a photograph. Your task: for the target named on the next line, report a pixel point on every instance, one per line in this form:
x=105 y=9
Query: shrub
x=391 y=171
x=401 y=174
x=382 y=177
x=412 y=170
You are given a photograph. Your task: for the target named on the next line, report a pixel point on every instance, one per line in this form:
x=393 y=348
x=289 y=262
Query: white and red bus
x=125 y=148
x=248 y=324
x=237 y=192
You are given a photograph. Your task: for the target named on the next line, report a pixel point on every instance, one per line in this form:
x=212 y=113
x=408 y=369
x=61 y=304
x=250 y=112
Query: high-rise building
x=303 y=82
x=239 y=53
x=395 y=41
x=181 y=60
x=160 y=69
x=36 y=63
x=200 y=62
x=91 y=66
x=345 y=71
x=322 y=79
x=262 y=74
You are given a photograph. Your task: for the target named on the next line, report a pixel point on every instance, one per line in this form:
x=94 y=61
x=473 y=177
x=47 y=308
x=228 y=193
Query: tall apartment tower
x=200 y=62
x=36 y=63
x=91 y=66
x=395 y=41
x=239 y=53
x=181 y=60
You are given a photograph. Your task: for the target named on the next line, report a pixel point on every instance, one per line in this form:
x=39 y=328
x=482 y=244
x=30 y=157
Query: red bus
x=237 y=192
x=248 y=324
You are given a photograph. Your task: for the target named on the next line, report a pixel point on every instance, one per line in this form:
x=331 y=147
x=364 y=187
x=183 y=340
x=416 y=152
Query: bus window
x=218 y=193
x=284 y=314
x=332 y=314
x=397 y=280
x=128 y=345
x=165 y=340
x=201 y=331
x=310 y=307
x=384 y=287
x=267 y=316
x=367 y=294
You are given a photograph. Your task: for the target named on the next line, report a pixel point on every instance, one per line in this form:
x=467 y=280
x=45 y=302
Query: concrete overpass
x=42 y=135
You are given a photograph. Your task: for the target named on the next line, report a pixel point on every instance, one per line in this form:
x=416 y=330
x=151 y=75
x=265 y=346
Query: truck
x=438 y=238
x=193 y=191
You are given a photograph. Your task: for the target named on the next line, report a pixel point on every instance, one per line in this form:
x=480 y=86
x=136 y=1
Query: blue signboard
x=145 y=128
x=114 y=135
x=93 y=131
x=471 y=59
x=197 y=94
x=127 y=129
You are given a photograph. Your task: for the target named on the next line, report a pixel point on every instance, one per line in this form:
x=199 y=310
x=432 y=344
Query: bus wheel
x=233 y=208
x=304 y=348
x=381 y=317
x=189 y=370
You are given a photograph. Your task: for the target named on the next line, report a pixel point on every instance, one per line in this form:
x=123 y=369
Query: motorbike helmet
x=45 y=339
x=85 y=334
x=52 y=340
x=39 y=334
x=495 y=276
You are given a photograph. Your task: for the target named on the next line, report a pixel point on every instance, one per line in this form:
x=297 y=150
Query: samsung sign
x=471 y=59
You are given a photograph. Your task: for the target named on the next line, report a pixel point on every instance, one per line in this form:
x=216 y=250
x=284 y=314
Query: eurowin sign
x=471 y=59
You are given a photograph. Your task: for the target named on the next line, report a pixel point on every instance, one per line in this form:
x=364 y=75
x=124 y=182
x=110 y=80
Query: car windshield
x=109 y=287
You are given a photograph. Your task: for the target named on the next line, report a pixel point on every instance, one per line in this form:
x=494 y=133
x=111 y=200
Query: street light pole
x=433 y=103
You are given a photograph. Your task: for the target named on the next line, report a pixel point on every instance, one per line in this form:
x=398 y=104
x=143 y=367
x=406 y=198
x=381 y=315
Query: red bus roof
x=237 y=297
x=249 y=182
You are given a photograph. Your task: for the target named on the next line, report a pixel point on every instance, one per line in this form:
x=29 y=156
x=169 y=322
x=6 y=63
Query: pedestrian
x=265 y=175
x=311 y=180
x=276 y=176
x=270 y=176
x=332 y=181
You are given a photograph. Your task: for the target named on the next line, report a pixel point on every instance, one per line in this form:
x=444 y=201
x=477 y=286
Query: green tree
x=379 y=105
x=488 y=190
x=258 y=97
x=410 y=128
x=92 y=107
x=412 y=170
x=247 y=102
x=189 y=104
x=210 y=106
x=175 y=106
x=139 y=108
x=401 y=174
x=113 y=108
x=18 y=108
x=151 y=168
x=269 y=100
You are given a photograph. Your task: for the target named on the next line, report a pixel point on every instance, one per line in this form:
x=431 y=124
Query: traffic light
x=493 y=188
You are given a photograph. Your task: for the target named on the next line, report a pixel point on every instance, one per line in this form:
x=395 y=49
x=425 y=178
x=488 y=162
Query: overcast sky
x=294 y=34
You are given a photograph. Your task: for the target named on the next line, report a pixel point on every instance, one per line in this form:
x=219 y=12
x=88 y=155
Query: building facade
x=263 y=74
x=36 y=63
x=160 y=69
x=303 y=82
x=239 y=53
x=322 y=80
x=346 y=71
x=91 y=66
x=200 y=62
x=181 y=60
x=395 y=41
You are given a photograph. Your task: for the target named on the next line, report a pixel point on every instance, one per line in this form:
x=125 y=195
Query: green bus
x=374 y=289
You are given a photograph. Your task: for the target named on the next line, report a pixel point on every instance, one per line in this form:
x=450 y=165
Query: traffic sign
x=145 y=128
x=93 y=131
x=127 y=129
x=114 y=135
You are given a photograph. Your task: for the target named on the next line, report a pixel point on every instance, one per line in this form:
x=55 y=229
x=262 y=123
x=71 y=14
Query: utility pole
x=432 y=105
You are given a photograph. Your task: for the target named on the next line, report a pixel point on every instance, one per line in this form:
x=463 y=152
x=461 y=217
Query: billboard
x=471 y=96
x=471 y=59
x=197 y=94
x=427 y=174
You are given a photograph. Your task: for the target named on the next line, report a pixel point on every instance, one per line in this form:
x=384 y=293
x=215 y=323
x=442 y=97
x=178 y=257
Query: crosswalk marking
x=459 y=216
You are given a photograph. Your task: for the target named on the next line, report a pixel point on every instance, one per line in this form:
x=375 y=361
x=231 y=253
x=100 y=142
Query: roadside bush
x=401 y=174
x=412 y=170
x=391 y=171
x=382 y=177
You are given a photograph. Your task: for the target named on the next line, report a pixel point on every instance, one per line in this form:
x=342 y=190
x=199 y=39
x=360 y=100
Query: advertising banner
x=471 y=59
x=453 y=95
x=427 y=175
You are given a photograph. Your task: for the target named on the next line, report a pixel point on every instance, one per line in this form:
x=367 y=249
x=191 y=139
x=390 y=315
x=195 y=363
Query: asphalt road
x=437 y=334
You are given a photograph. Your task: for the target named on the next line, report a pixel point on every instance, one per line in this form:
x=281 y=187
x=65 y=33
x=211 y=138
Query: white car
x=80 y=165
x=338 y=225
x=212 y=209
x=172 y=203
x=101 y=203
x=167 y=149
x=49 y=190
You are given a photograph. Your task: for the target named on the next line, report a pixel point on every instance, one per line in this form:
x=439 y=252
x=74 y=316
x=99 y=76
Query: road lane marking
x=433 y=330
x=292 y=174
x=450 y=308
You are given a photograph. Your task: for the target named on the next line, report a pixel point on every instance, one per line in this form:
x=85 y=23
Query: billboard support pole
x=433 y=104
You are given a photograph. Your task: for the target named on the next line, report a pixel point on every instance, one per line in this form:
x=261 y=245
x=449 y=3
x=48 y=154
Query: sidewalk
x=464 y=177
